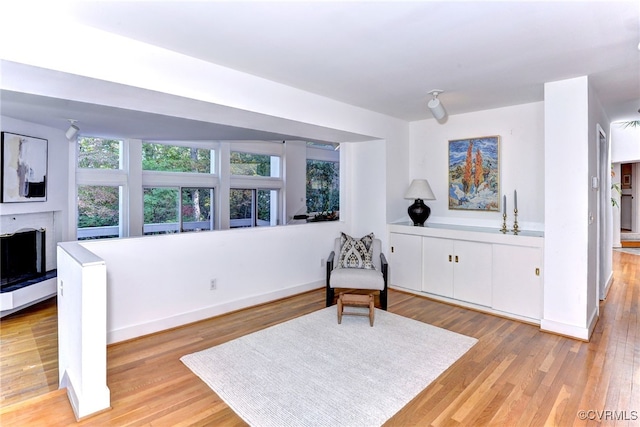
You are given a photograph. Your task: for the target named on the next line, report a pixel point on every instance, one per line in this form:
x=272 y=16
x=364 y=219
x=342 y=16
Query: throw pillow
x=356 y=253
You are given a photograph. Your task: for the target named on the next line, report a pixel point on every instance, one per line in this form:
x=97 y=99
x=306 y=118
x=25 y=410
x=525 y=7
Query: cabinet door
x=517 y=283
x=405 y=260
x=437 y=270
x=472 y=272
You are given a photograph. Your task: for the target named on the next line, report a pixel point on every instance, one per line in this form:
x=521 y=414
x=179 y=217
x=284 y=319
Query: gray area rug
x=310 y=371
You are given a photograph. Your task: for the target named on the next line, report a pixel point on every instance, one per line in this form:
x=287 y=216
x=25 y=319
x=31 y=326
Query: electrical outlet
x=213 y=285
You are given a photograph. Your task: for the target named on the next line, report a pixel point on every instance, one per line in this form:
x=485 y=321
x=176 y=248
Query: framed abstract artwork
x=474 y=174
x=24 y=168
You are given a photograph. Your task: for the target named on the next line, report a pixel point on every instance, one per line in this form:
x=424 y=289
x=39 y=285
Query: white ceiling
x=386 y=56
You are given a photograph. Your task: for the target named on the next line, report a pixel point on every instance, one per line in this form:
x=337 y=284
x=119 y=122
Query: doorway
x=626 y=197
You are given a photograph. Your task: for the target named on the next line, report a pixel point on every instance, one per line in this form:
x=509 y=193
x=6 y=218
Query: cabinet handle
x=449 y=258
x=537 y=271
x=391 y=249
x=456 y=258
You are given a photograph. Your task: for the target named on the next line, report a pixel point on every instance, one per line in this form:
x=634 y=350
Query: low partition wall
x=82 y=325
x=160 y=282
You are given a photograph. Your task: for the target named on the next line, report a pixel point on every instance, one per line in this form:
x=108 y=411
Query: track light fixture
x=435 y=105
x=73 y=130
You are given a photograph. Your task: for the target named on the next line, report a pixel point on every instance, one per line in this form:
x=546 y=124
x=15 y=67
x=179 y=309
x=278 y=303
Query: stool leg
x=371 y=310
x=340 y=310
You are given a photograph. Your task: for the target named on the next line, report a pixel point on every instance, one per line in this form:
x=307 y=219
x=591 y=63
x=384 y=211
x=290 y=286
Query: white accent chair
x=358 y=278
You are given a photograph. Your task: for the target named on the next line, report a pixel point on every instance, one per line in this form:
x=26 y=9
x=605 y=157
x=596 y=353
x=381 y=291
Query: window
x=171 y=158
x=133 y=187
x=100 y=181
x=248 y=164
x=166 y=213
x=178 y=181
x=323 y=186
x=161 y=210
x=98 y=212
x=99 y=153
x=253 y=207
x=197 y=209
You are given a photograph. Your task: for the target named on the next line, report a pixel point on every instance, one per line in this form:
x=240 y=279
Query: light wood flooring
x=515 y=375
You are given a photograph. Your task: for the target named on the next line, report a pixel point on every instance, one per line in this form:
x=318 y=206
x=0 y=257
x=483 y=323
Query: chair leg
x=383 y=299
x=330 y=296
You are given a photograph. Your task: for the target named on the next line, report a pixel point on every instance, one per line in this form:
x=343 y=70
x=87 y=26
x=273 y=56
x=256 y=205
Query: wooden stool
x=355 y=300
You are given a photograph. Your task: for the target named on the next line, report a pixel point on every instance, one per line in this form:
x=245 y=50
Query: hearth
x=22 y=257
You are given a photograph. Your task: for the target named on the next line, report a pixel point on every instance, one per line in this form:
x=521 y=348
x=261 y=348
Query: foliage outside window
x=99 y=153
x=98 y=212
x=161 y=157
x=197 y=209
x=323 y=187
x=248 y=164
x=252 y=207
x=164 y=213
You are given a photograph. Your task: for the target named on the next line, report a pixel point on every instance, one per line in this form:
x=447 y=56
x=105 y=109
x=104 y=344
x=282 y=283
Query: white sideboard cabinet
x=470 y=266
x=517 y=280
x=406 y=258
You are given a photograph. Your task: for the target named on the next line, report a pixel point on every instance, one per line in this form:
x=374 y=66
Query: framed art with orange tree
x=474 y=174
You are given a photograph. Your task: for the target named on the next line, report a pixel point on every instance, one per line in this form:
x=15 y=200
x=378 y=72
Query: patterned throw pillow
x=356 y=253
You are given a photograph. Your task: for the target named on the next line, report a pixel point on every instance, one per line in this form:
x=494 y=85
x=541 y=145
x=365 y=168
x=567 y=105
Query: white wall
x=625 y=144
x=600 y=233
x=294 y=178
x=521 y=131
x=366 y=191
x=566 y=189
x=57 y=170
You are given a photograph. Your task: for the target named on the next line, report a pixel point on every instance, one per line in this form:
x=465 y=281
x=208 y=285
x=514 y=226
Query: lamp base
x=419 y=212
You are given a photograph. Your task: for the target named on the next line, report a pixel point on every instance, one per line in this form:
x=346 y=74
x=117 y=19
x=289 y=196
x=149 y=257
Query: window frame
x=180 y=222
x=132 y=179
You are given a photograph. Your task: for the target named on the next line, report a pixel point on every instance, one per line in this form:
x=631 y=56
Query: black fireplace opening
x=22 y=257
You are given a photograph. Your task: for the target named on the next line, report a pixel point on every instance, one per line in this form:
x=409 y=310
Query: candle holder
x=504 y=228
x=516 y=229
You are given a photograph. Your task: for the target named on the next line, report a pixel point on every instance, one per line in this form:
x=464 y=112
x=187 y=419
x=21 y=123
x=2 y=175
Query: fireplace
x=22 y=257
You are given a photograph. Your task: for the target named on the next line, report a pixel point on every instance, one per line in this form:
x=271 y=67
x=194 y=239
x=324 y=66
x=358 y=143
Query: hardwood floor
x=515 y=375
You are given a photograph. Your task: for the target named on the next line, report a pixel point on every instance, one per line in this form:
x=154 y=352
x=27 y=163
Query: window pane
x=161 y=210
x=98 y=212
x=197 y=209
x=241 y=208
x=160 y=157
x=253 y=208
x=248 y=164
x=98 y=153
x=323 y=186
x=265 y=199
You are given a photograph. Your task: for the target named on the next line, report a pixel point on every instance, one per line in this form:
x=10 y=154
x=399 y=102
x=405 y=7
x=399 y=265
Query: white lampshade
x=419 y=189
x=436 y=108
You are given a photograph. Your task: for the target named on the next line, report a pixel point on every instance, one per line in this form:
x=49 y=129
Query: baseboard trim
x=570 y=331
x=607 y=287
x=136 y=331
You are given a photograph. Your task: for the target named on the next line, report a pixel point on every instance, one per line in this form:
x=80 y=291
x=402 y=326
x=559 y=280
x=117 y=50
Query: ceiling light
x=436 y=106
x=73 y=130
